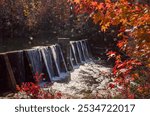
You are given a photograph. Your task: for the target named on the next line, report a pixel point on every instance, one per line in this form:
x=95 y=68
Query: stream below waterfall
x=90 y=80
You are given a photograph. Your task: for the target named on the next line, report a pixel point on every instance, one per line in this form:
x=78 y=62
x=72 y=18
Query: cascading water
x=85 y=49
x=48 y=60
x=55 y=58
x=35 y=60
x=59 y=61
x=75 y=52
x=36 y=64
x=79 y=52
x=62 y=64
x=73 y=59
x=79 y=48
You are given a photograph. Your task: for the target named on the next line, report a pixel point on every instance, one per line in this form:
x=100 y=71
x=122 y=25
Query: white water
x=61 y=57
x=53 y=48
x=53 y=59
x=35 y=59
x=86 y=82
x=73 y=55
x=47 y=61
x=79 y=51
x=83 y=51
x=59 y=62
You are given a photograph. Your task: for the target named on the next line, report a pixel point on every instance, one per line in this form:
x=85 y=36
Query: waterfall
x=55 y=58
x=44 y=59
x=85 y=49
x=60 y=62
x=79 y=51
x=76 y=51
x=36 y=65
x=73 y=59
x=79 y=48
x=35 y=60
x=47 y=58
x=73 y=55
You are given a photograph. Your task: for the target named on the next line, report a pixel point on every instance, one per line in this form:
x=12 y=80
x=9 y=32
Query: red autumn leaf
x=111 y=85
x=94 y=4
x=111 y=53
x=77 y=1
x=131 y=96
x=18 y=88
x=140 y=89
x=100 y=6
x=121 y=65
x=58 y=95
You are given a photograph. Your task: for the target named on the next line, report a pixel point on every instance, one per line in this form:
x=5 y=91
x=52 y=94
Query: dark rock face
x=3 y=76
x=7 y=78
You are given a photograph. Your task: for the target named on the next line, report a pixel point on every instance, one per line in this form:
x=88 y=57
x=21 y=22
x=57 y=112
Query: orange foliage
x=134 y=21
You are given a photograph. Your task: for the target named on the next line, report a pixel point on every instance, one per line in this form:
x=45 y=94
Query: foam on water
x=86 y=82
